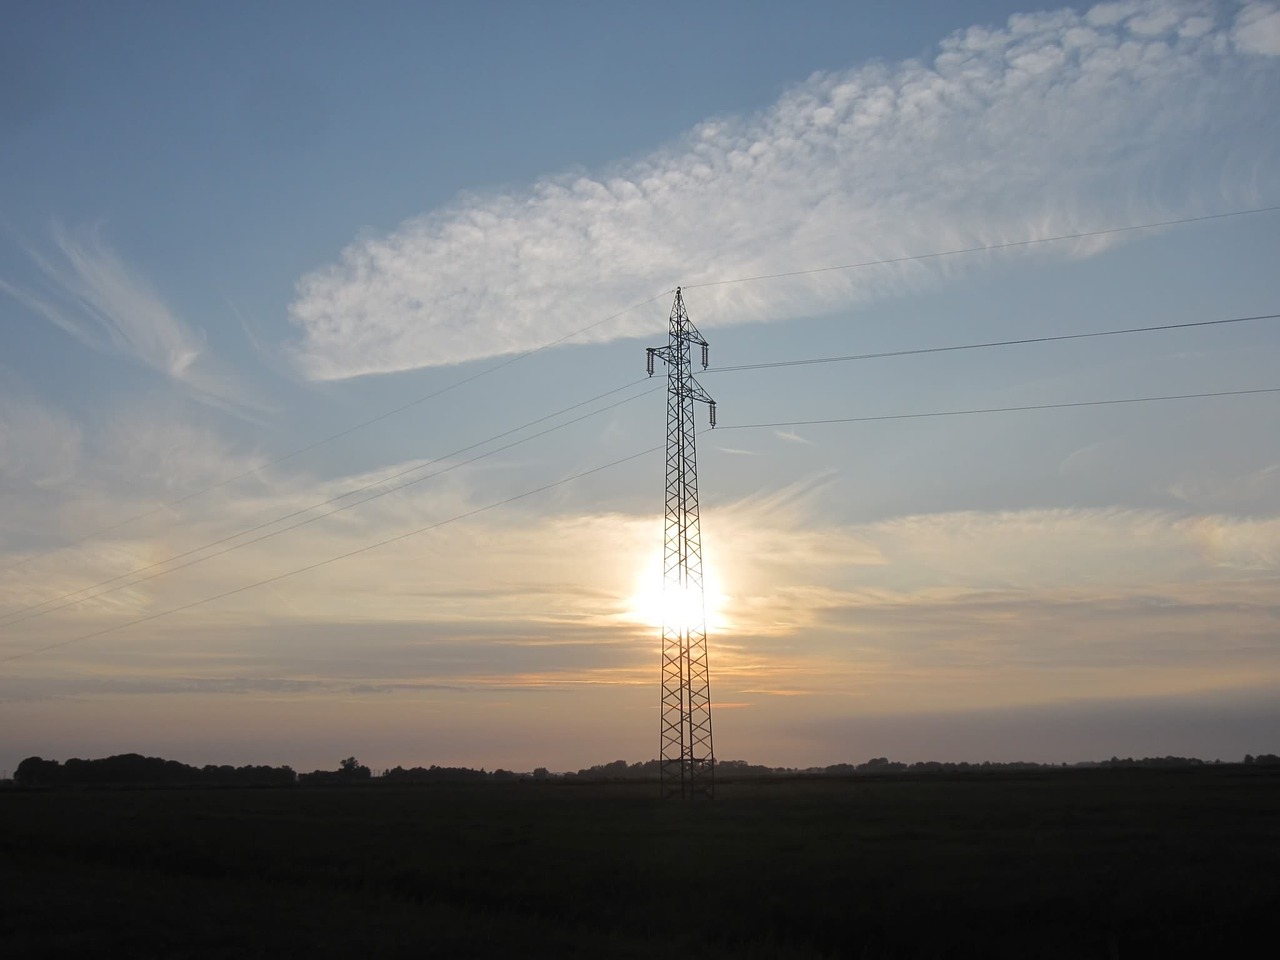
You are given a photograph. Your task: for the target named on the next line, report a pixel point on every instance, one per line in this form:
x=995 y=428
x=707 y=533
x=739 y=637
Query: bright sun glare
x=653 y=606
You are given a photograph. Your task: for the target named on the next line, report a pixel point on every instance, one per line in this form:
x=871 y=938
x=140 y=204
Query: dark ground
x=1073 y=863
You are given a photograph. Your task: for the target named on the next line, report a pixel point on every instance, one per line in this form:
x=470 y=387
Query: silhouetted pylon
x=686 y=757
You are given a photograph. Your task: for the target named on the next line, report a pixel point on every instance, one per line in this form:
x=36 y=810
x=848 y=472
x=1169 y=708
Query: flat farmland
x=1072 y=863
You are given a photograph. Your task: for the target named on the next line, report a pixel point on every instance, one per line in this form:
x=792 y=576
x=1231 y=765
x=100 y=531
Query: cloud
x=1209 y=725
x=37 y=445
x=790 y=436
x=932 y=612
x=777 y=567
x=41 y=455
x=965 y=608
x=107 y=307
x=95 y=297
x=147 y=452
x=63 y=483
x=1055 y=123
x=921 y=558
x=1257 y=29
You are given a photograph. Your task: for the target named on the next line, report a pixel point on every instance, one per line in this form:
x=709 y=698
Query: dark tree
x=35 y=770
x=353 y=769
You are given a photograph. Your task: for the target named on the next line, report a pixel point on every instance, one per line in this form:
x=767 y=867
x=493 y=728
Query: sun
x=653 y=606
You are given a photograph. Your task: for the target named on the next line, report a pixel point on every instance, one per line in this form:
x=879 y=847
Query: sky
x=262 y=264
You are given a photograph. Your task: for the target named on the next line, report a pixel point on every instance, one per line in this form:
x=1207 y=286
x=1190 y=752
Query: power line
x=967 y=413
x=267 y=536
x=518 y=357
x=343 y=556
x=991 y=343
x=5 y=618
x=991 y=247
x=13 y=616
x=568 y=336
x=359 y=426
x=593 y=470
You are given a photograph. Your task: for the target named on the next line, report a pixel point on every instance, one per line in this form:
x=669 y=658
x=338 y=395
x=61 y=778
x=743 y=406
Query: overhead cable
x=982 y=410
x=16 y=616
x=342 y=556
x=990 y=343
x=5 y=618
x=593 y=470
x=359 y=426
x=689 y=286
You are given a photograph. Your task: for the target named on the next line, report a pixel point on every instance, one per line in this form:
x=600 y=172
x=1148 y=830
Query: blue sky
x=227 y=231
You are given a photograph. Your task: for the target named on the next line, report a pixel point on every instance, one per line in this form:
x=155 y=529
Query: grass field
x=1072 y=863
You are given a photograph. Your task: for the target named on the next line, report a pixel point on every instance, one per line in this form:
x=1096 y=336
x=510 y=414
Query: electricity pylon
x=686 y=759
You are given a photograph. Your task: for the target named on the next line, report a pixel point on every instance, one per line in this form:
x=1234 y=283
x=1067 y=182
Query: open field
x=1074 y=863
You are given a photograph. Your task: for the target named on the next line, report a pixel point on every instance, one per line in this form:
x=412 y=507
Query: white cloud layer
x=1055 y=123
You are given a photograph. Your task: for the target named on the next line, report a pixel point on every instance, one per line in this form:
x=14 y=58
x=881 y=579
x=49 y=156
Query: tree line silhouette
x=135 y=769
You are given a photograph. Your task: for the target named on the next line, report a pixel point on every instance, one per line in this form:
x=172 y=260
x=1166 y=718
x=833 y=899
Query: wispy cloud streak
x=1054 y=123
x=91 y=294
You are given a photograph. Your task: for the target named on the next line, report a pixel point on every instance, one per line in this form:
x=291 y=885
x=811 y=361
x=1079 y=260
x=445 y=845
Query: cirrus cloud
x=94 y=296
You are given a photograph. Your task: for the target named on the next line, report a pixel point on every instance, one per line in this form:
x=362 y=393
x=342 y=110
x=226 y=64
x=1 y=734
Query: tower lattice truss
x=686 y=754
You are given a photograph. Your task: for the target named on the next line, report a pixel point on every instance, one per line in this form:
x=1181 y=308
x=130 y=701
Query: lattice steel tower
x=686 y=758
